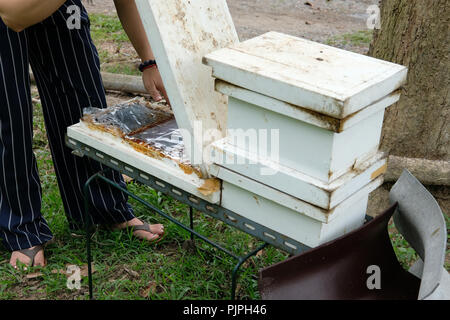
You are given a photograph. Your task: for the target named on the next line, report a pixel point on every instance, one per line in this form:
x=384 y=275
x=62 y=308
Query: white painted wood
x=305 y=115
x=181 y=32
x=289 y=201
x=305 y=229
x=292 y=182
x=307 y=148
x=164 y=169
x=304 y=73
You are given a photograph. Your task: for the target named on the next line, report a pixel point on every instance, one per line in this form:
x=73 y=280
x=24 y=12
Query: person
x=66 y=67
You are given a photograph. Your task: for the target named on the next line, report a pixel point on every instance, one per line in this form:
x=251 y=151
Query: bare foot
x=156 y=229
x=39 y=259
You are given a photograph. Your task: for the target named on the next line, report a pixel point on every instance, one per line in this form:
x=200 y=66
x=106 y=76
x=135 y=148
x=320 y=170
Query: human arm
x=132 y=24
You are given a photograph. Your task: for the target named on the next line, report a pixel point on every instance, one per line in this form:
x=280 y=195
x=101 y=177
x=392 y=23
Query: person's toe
x=157 y=229
x=149 y=236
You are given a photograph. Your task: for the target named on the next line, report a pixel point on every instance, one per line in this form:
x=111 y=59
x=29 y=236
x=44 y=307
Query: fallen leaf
x=55 y=271
x=34 y=275
x=132 y=273
x=308 y=3
x=127 y=179
x=150 y=289
x=260 y=253
x=84 y=270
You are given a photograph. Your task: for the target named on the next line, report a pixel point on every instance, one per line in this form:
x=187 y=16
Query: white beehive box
x=328 y=104
x=298 y=185
x=290 y=216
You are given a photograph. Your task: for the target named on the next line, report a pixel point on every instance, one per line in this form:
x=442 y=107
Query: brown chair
x=343 y=269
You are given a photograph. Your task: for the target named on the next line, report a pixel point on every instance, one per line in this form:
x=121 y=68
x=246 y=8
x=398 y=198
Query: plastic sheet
x=149 y=131
x=165 y=137
x=125 y=119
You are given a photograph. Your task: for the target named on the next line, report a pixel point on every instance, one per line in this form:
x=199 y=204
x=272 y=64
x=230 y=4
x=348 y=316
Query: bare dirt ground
x=317 y=20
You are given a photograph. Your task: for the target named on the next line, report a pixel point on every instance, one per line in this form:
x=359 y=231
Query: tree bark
x=415 y=33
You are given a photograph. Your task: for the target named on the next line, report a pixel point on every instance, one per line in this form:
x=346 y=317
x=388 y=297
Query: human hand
x=153 y=84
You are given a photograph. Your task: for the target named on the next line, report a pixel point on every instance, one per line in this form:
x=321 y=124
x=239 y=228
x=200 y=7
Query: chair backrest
x=420 y=220
x=339 y=270
x=336 y=269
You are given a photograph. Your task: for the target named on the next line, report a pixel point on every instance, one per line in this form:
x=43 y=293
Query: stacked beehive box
x=309 y=120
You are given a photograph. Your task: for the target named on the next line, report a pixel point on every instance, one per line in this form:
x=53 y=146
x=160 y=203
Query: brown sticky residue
x=147 y=150
x=334 y=124
x=89 y=121
x=210 y=186
x=150 y=151
x=379 y=172
x=330 y=174
x=188 y=169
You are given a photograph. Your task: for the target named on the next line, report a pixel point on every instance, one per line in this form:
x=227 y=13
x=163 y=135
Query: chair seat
x=338 y=270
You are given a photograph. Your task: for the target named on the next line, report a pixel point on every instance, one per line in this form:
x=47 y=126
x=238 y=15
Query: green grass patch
x=106 y=28
x=359 y=38
x=122 y=68
x=109 y=38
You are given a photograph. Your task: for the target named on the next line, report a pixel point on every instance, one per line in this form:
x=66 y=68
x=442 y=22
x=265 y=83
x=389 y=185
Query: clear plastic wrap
x=165 y=137
x=125 y=119
x=149 y=131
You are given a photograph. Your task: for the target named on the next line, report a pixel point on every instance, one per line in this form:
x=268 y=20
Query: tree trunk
x=415 y=33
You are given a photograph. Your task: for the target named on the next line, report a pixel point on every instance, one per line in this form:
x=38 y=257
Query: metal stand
x=100 y=176
x=259 y=231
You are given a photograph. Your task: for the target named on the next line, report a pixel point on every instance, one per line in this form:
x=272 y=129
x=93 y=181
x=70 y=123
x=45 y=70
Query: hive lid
x=304 y=73
x=181 y=32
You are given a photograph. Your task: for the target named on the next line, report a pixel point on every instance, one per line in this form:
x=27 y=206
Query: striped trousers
x=67 y=71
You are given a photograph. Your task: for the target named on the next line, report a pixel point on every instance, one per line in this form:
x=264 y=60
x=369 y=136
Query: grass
x=356 y=39
x=127 y=68
x=126 y=268
x=111 y=41
x=107 y=28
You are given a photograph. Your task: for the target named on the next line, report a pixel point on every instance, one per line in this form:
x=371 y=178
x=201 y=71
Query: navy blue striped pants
x=67 y=71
